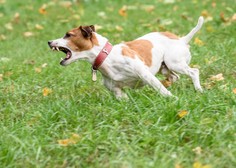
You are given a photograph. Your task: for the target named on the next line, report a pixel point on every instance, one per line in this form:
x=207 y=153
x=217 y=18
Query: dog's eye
x=67 y=35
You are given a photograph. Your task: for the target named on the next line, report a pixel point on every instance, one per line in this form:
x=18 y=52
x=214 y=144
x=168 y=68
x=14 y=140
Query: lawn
x=54 y=116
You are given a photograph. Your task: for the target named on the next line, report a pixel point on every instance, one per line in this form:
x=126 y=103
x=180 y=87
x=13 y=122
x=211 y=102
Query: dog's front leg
x=110 y=85
x=151 y=80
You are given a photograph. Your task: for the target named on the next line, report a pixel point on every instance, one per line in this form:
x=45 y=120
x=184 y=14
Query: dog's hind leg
x=193 y=73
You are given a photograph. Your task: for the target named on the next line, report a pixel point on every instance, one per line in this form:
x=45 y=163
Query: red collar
x=102 y=56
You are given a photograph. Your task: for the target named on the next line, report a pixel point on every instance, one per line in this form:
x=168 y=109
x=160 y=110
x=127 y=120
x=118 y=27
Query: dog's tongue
x=68 y=55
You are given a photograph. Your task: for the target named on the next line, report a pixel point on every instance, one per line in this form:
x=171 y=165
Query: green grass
x=144 y=131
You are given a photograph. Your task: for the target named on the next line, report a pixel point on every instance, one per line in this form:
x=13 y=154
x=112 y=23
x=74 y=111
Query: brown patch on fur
x=170 y=35
x=141 y=48
x=77 y=42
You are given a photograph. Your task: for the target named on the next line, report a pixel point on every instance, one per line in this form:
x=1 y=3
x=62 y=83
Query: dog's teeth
x=53 y=48
x=57 y=49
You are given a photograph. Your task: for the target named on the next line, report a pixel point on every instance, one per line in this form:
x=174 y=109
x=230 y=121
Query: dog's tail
x=186 y=39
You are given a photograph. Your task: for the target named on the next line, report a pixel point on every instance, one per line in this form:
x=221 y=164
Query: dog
x=134 y=63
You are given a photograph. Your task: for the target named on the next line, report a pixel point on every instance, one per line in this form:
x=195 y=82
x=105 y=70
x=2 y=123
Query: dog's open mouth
x=65 y=50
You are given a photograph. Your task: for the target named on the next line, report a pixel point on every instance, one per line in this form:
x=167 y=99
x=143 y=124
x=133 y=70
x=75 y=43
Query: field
x=55 y=116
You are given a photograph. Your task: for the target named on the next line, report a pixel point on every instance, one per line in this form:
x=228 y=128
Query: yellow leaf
x=38 y=70
x=200 y=165
x=198 y=42
x=119 y=28
x=9 y=26
x=233 y=17
x=46 y=91
x=218 y=77
x=3 y=37
x=28 y=34
x=66 y=4
x=178 y=165
x=197 y=165
x=1 y=77
x=75 y=138
x=42 y=9
x=166 y=83
x=210 y=29
x=197 y=150
x=2 y=1
x=123 y=11
x=182 y=113
x=39 y=27
x=16 y=18
x=234 y=90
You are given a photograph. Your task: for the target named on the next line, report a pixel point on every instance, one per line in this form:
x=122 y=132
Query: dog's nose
x=49 y=43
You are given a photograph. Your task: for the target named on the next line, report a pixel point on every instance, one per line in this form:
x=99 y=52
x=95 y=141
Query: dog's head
x=74 y=43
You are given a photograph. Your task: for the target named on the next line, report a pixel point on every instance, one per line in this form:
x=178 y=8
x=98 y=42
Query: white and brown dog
x=133 y=63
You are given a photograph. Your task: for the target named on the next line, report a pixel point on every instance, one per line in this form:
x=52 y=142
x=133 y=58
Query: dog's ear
x=87 y=31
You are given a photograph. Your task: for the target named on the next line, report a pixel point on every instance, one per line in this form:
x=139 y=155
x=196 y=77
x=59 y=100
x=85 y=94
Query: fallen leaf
x=233 y=17
x=182 y=113
x=44 y=65
x=3 y=37
x=149 y=8
x=166 y=83
x=2 y=1
x=28 y=34
x=200 y=165
x=39 y=27
x=218 y=77
x=209 y=28
x=42 y=9
x=46 y=91
x=4 y=59
x=169 y=1
x=197 y=150
x=66 y=4
x=119 y=28
x=1 y=77
x=16 y=18
x=123 y=11
x=198 y=42
x=234 y=90
x=9 y=26
x=38 y=69
x=178 y=165
x=75 y=138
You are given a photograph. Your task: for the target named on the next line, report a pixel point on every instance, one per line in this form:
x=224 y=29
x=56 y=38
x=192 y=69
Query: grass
x=144 y=131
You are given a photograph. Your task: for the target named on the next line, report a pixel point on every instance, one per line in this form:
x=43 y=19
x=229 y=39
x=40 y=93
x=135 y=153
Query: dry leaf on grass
x=123 y=11
x=200 y=165
x=28 y=34
x=182 y=113
x=46 y=91
x=1 y=77
x=42 y=9
x=9 y=26
x=75 y=138
x=197 y=150
x=218 y=77
x=39 y=27
x=234 y=90
x=198 y=42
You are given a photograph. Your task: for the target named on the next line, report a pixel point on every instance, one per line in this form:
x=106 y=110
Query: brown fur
x=170 y=35
x=77 y=42
x=141 y=48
